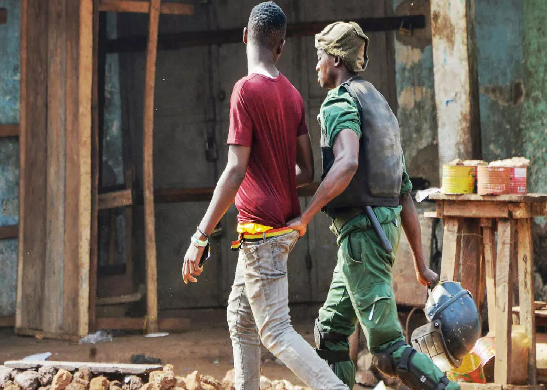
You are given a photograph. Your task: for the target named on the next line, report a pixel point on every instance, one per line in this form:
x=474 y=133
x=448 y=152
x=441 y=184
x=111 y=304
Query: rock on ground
x=228 y=383
x=76 y=385
x=45 y=387
x=6 y=374
x=115 y=385
x=46 y=374
x=82 y=376
x=265 y=383
x=162 y=380
x=193 y=381
x=61 y=380
x=366 y=378
x=180 y=382
x=28 y=380
x=132 y=382
x=10 y=385
x=282 y=385
x=99 y=383
x=211 y=381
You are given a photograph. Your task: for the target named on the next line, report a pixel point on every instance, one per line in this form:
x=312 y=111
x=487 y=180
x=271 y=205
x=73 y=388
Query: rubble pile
x=49 y=378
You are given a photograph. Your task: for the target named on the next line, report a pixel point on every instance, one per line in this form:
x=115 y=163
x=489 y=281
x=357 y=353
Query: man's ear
x=280 y=47
x=245 y=35
x=338 y=61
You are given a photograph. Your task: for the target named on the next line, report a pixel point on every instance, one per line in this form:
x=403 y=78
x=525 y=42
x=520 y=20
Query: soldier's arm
x=411 y=227
x=346 y=161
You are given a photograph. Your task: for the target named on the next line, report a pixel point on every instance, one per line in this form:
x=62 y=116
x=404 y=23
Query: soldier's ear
x=338 y=61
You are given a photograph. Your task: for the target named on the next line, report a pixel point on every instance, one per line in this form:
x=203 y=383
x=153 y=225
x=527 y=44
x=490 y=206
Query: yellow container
x=469 y=371
x=458 y=179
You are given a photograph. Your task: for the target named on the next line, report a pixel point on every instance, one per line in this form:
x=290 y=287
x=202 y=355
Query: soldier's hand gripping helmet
x=454 y=325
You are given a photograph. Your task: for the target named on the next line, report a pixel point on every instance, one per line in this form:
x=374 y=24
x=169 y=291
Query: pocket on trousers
x=366 y=298
x=378 y=312
x=352 y=248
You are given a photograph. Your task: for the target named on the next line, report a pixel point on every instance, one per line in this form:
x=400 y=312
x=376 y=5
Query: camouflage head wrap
x=347 y=41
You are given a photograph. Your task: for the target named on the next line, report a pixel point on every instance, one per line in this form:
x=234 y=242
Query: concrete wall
x=10 y=75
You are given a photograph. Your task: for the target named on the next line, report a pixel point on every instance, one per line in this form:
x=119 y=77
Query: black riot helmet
x=454 y=325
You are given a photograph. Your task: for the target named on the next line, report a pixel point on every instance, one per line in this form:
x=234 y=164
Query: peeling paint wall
x=10 y=76
x=457 y=113
x=534 y=109
x=416 y=95
x=500 y=66
x=534 y=117
x=512 y=63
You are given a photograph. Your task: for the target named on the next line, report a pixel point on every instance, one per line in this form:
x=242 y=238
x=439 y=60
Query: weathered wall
x=500 y=62
x=416 y=94
x=534 y=117
x=9 y=151
x=512 y=63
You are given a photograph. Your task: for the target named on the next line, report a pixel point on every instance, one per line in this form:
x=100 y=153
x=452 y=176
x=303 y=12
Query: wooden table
x=470 y=254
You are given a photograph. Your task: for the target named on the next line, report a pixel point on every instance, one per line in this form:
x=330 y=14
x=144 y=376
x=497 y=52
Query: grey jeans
x=258 y=310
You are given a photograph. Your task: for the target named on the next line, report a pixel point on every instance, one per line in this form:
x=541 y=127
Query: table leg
x=470 y=257
x=451 y=248
x=489 y=241
x=526 y=292
x=504 y=293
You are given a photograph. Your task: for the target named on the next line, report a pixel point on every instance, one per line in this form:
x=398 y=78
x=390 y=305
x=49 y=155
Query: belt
x=343 y=217
x=254 y=237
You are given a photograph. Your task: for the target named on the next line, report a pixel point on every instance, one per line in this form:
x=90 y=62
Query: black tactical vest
x=377 y=181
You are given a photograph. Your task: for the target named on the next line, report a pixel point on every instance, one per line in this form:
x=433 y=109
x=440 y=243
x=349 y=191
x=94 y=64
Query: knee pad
x=407 y=372
x=324 y=353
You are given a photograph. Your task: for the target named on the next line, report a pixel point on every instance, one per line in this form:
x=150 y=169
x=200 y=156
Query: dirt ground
x=204 y=348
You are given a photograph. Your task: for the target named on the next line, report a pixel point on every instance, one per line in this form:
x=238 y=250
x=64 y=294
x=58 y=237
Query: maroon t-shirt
x=267 y=115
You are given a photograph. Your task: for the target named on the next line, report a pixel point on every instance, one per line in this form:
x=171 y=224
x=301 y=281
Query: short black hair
x=267 y=24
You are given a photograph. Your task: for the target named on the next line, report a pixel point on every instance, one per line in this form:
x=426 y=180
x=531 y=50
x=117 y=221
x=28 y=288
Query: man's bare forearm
x=223 y=197
x=413 y=232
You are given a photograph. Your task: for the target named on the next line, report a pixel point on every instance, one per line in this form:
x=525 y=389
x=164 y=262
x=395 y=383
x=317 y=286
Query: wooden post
x=56 y=167
x=489 y=240
x=504 y=295
x=85 y=99
x=71 y=285
x=451 y=248
x=456 y=80
x=22 y=172
x=32 y=165
x=148 y=169
x=526 y=292
x=93 y=242
x=471 y=249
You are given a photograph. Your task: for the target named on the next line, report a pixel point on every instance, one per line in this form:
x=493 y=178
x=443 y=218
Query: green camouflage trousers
x=361 y=290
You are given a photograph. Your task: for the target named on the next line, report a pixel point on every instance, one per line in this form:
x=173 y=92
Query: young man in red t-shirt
x=269 y=157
